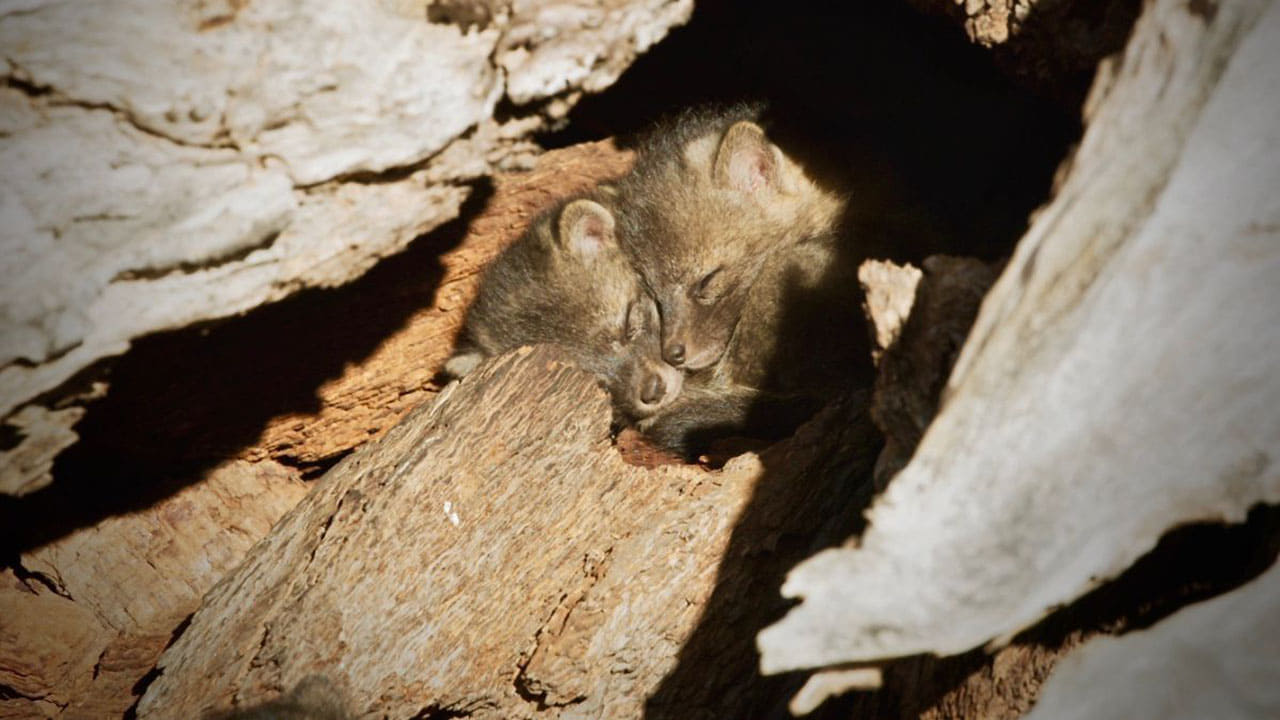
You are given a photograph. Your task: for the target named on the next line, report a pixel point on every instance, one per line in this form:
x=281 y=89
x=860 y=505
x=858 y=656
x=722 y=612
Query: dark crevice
x=26 y=87
x=435 y=712
x=28 y=576
x=8 y=692
x=874 y=97
x=57 y=99
x=389 y=175
x=11 y=436
x=397 y=173
x=139 y=689
x=313 y=470
x=1187 y=566
x=465 y=14
x=180 y=403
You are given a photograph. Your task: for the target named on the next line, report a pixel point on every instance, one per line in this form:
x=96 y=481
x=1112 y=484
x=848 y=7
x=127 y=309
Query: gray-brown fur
x=801 y=339
x=566 y=282
x=777 y=326
x=709 y=200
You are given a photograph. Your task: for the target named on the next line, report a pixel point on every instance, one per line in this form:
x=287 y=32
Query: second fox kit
x=758 y=303
x=709 y=200
x=566 y=282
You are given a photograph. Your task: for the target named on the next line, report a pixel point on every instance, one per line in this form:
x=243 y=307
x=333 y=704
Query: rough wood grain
x=83 y=619
x=493 y=556
x=1119 y=380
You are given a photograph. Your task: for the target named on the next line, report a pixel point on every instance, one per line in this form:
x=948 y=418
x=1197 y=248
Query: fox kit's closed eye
x=567 y=283
x=709 y=200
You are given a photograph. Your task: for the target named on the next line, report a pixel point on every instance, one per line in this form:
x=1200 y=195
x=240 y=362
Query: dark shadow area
x=921 y=126
x=812 y=497
x=182 y=402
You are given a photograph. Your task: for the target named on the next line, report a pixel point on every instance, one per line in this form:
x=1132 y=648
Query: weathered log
x=1120 y=379
x=83 y=619
x=493 y=555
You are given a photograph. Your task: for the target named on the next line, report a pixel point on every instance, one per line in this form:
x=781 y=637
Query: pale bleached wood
x=1120 y=379
x=1213 y=660
x=166 y=164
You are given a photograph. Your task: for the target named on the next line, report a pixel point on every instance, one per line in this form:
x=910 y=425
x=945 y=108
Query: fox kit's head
x=566 y=282
x=710 y=198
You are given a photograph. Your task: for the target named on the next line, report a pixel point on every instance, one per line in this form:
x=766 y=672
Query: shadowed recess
x=182 y=402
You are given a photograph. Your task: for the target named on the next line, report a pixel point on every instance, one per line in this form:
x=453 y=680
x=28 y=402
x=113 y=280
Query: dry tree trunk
x=494 y=556
x=640 y=589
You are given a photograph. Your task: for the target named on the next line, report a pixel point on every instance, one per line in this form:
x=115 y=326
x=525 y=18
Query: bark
x=169 y=164
x=85 y=617
x=493 y=556
x=1118 y=382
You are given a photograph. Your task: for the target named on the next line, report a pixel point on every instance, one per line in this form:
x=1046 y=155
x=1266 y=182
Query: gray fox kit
x=709 y=200
x=760 y=307
x=566 y=282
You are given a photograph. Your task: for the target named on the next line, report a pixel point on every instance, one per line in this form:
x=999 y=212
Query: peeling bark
x=534 y=572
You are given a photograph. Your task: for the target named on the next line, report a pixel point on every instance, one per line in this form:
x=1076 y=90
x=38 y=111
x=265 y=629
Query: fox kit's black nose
x=673 y=353
x=653 y=389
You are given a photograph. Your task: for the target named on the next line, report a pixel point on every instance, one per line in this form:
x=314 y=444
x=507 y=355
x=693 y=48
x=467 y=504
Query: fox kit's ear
x=586 y=228
x=746 y=161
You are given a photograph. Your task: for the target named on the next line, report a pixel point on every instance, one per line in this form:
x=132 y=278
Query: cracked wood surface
x=83 y=619
x=164 y=165
x=494 y=556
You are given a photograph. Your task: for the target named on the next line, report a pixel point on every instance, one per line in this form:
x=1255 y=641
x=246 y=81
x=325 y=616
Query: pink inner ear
x=588 y=236
x=750 y=168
